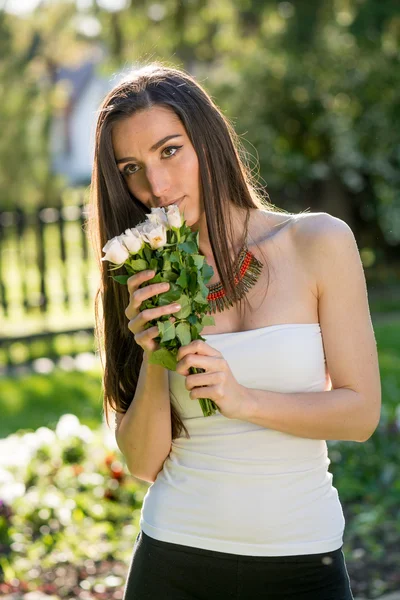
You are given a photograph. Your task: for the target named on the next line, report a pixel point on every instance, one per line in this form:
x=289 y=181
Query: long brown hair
x=226 y=181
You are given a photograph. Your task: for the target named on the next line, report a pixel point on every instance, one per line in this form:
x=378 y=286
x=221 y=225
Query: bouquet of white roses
x=166 y=245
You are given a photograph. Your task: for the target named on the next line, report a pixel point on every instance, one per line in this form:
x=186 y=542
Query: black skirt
x=166 y=571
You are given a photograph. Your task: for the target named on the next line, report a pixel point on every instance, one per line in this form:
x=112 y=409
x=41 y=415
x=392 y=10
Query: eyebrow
x=155 y=147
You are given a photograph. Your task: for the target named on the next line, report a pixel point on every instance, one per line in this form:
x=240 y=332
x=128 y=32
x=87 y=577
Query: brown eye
x=176 y=148
x=127 y=169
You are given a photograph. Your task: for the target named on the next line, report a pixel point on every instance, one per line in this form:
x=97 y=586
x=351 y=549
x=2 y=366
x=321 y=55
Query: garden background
x=313 y=90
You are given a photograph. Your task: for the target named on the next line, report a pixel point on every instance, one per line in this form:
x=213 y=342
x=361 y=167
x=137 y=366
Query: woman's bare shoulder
x=315 y=222
x=319 y=239
x=309 y=231
x=313 y=229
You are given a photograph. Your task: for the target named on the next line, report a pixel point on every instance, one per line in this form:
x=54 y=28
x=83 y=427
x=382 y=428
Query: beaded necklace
x=249 y=268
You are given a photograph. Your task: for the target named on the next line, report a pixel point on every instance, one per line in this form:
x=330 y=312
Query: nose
x=159 y=181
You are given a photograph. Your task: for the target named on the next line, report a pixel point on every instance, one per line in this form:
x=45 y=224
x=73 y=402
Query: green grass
x=35 y=400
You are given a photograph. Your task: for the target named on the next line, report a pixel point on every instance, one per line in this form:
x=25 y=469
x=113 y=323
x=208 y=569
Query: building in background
x=73 y=127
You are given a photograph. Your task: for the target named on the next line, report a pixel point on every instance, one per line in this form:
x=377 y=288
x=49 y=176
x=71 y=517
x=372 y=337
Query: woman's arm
x=351 y=410
x=143 y=433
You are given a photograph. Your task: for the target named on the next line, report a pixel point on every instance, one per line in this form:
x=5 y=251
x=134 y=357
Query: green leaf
x=192 y=283
x=138 y=265
x=163 y=357
x=122 y=279
x=203 y=289
x=174 y=257
x=156 y=279
x=189 y=247
x=186 y=309
x=195 y=331
x=183 y=333
x=198 y=260
x=199 y=298
x=166 y=330
x=182 y=279
x=153 y=266
x=207 y=272
x=192 y=319
x=172 y=295
x=207 y=320
x=166 y=262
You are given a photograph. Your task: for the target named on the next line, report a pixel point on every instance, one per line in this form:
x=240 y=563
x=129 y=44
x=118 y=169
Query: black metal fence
x=47 y=274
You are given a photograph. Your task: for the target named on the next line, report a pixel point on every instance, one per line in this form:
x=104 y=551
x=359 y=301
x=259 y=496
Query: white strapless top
x=241 y=488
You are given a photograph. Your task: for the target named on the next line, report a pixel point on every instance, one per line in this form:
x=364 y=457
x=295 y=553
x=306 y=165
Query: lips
x=177 y=202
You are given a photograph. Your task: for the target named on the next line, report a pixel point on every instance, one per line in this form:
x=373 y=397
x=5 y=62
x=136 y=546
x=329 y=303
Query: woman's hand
x=217 y=383
x=138 y=320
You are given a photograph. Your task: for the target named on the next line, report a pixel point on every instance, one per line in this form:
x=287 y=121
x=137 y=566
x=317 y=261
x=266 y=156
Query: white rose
x=133 y=240
x=155 y=235
x=115 y=251
x=139 y=228
x=158 y=217
x=174 y=216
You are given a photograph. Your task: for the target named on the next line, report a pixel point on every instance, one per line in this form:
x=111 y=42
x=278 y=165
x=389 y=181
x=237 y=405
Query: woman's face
x=159 y=171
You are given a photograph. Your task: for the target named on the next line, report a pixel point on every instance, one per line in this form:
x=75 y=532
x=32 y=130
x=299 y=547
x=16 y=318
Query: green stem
x=207 y=405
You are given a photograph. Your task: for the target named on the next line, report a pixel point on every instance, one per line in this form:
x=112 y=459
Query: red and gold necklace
x=249 y=268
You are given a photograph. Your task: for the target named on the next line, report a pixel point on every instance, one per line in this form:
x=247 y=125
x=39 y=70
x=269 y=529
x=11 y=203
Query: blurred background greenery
x=312 y=89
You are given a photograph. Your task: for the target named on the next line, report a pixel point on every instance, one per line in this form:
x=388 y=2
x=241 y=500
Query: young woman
x=241 y=503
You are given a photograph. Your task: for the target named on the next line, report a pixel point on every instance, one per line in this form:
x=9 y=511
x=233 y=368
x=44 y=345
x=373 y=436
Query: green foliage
x=313 y=86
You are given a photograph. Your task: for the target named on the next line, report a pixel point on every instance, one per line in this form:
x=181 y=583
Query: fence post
x=3 y=291
x=85 y=254
x=63 y=252
x=41 y=254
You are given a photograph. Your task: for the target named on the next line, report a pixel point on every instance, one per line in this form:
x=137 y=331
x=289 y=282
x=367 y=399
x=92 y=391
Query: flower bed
x=69 y=512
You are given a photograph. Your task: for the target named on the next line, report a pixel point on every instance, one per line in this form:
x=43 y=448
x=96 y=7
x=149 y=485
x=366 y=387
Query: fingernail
x=176 y=307
x=150 y=273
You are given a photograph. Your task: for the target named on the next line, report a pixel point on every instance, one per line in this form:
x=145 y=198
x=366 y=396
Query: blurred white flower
x=115 y=251
x=52 y=500
x=5 y=478
x=174 y=216
x=67 y=426
x=158 y=216
x=155 y=235
x=11 y=491
x=17 y=452
x=113 y=581
x=70 y=426
x=43 y=365
x=90 y=478
x=32 y=496
x=64 y=516
x=44 y=514
x=133 y=240
x=86 y=361
x=85 y=433
x=44 y=436
x=66 y=363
